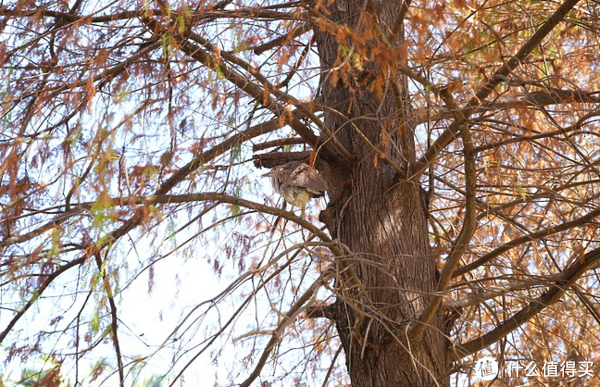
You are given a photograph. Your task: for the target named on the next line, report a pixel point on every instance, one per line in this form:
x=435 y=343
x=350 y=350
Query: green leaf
x=55 y=247
x=522 y=192
x=180 y=23
x=95 y=322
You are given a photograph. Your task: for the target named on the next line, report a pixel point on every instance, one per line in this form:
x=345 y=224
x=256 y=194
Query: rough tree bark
x=375 y=209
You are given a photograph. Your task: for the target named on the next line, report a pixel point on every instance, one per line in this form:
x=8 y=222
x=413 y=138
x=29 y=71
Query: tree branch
x=205 y=14
x=399 y=23
x=469 y=221
x=298 y=31
x=512 y=101
x=114 y=316
x=557 y=289
x=273 y=159
x=37 y=294
x=177 y=177
x=524 y=239
x=108 y=73
x=260 y=94
x=553 y=133
x=498 y=290
x=449 y=134
x=278 y=143
x=322 y=311
x=288 y=319
x=187 y=198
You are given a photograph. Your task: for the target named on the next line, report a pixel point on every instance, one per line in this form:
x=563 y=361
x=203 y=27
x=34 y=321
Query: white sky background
x=147 y=318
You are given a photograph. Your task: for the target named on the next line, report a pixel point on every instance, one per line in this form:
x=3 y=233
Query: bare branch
x=278 y=143
x=38 y=292
x=322 y=311
x=552 y=295
x=207 y=14
x=469 y=223
x=499 y=290
x=512 y=101
x=292 y=314
x=298 y=31
x=260 y=94
x=273 y=159
x=177 y=177
x=114 y=317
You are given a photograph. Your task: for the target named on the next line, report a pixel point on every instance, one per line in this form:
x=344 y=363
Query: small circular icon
x=486 y=368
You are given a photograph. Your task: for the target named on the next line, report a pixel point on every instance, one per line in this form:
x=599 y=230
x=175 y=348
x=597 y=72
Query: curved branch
x=210 y=14
x=552 y=295
x=550 y=96
x=450 y=134
x=136 y=219
x=220 y=197
x=524 y=239
x=177 y=177
x=147 y=48
x=469 y=224
x=278 y=143
x=186 y=198
x=499 y=290
x=114 y=317
x=538 y=136
x=262 y=95
x=513 y=101
x=232 y=142
x=289 y=318
x=293 y=34
x=236 y=313
x=37 y=293
x=42 y=229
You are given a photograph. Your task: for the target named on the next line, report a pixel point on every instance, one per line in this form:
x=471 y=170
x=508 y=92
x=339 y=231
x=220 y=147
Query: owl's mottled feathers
x=297 y=182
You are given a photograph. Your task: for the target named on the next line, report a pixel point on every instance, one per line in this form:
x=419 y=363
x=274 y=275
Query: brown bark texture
x=388 y=275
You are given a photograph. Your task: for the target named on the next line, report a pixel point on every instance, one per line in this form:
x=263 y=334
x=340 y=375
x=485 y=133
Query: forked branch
x=501 y=74
x=552 y=295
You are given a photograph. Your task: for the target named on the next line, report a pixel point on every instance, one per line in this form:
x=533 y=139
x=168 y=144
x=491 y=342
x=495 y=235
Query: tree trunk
x=374 y=210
